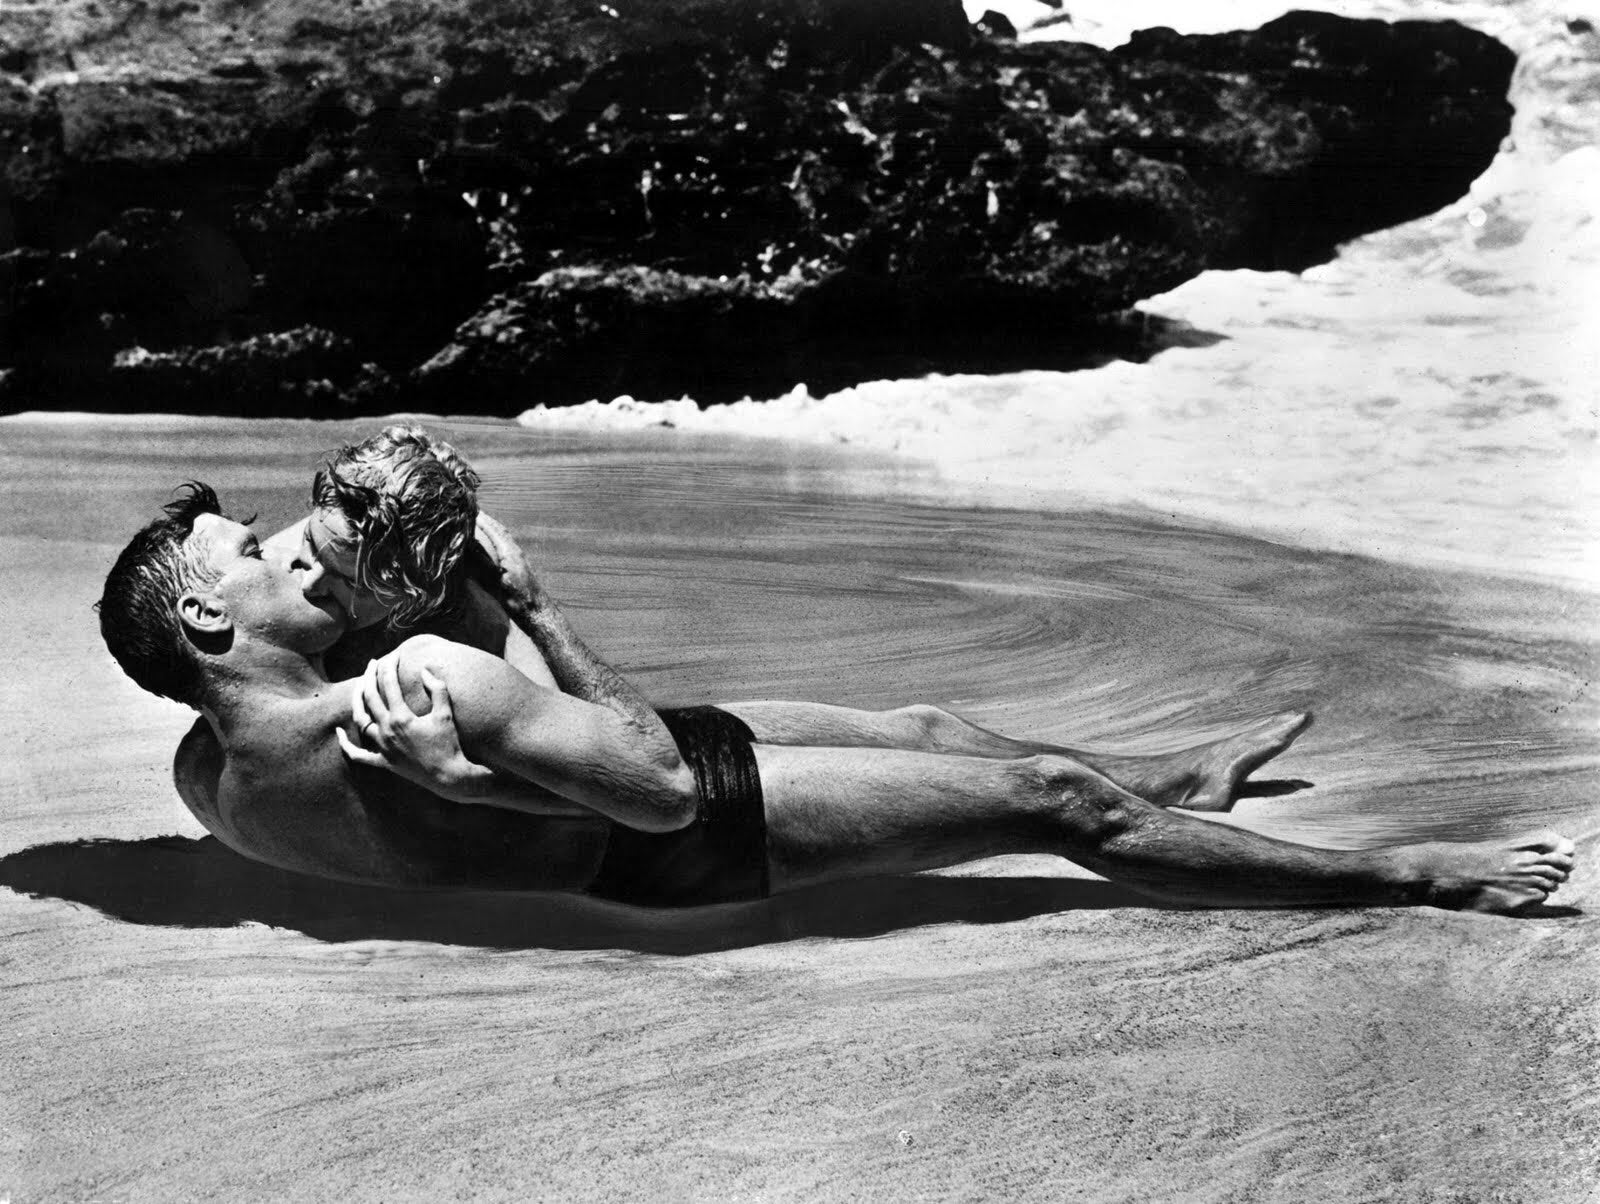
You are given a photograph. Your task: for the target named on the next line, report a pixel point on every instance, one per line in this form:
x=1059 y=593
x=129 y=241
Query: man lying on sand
x=501 y=780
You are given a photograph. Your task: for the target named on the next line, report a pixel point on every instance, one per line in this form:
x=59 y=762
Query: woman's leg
x=1205 y=777
x=837 y=813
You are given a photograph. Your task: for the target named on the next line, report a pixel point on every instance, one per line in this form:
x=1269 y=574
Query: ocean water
x=1428 y=396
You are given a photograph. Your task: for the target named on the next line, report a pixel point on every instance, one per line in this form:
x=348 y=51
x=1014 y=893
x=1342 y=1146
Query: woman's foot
x=1208 y=776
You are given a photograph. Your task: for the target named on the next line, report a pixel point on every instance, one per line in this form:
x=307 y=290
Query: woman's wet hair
x=412 y=504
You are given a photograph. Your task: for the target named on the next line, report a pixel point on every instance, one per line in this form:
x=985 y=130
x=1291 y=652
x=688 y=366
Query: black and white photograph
x=800 y=600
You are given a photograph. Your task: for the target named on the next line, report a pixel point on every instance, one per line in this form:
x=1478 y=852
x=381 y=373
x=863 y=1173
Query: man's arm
x=425 y=748
x=594 y=755
x=577 y=670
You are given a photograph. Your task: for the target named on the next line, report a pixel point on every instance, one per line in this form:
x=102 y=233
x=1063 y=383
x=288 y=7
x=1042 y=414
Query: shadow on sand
x=176 y=881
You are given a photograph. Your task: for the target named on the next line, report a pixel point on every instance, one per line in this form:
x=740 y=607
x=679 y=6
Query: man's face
x=327 y=564
x=263 y=596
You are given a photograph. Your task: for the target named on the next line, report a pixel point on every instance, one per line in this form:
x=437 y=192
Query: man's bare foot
x=1221 y=767
x=1497 y=876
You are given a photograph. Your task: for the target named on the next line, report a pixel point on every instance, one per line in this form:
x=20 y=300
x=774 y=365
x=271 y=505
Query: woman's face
x=327 y=561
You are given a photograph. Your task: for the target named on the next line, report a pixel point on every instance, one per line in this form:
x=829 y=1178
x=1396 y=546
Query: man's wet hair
x=139 y=608
x=412 y=503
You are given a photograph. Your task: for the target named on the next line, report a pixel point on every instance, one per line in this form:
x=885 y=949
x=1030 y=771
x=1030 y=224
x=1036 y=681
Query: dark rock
x=155 y=279
x=1389 y=122
x=393 y=269
x=291 y=372
x=591 y=332
x=489 y=204
x=996 y=25
x=584 y=332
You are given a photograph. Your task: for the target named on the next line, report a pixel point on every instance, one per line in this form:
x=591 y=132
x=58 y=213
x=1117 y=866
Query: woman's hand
x=425 y=748
x=512 y=577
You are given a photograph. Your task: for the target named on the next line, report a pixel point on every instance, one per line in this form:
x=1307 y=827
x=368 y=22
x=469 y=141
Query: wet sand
x=185 y=1025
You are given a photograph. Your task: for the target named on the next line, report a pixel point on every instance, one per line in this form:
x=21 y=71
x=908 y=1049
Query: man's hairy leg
x=836 y=813
x=1204 y=777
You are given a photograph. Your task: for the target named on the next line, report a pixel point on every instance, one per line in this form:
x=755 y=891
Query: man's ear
x=204 y=616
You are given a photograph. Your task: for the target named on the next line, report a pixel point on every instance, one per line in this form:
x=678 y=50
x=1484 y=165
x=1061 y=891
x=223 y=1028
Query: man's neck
x=254 y=676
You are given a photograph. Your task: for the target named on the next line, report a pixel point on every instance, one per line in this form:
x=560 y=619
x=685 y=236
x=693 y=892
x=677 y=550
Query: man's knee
x=929 y=721
x=1089 y=804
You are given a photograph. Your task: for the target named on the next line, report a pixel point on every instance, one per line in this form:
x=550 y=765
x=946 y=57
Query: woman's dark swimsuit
x=719 y=858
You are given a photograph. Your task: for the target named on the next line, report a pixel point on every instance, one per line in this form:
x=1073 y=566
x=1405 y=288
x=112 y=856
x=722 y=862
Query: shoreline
x=833 y=467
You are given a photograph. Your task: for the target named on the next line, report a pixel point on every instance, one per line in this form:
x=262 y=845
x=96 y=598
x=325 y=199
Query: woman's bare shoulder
x=490 y=629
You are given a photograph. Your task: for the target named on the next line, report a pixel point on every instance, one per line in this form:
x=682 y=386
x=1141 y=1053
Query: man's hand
x=509 y=574
x=425 y=748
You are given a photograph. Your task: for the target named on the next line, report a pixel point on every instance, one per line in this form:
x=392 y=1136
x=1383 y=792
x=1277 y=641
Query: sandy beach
x=184 y=1025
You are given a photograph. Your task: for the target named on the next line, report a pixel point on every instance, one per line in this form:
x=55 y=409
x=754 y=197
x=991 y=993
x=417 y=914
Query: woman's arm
x=486 y=624
x=424 y=748
x=589 y=754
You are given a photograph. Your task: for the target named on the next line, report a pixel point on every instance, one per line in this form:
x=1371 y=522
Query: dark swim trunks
x=721 y=857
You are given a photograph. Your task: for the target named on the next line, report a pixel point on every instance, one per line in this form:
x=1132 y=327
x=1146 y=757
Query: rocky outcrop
x=310 y=208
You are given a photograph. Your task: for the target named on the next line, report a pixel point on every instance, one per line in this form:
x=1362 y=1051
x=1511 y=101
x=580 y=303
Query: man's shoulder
x=442 y=654
x=280 y=791
x=297 y=804
x=290 y=744
x=243 y=793
x=197 y=773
